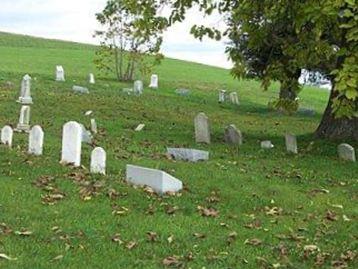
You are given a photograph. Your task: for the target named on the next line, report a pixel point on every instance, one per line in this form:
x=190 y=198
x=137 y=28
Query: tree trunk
x=287 y=93
x=337 y=128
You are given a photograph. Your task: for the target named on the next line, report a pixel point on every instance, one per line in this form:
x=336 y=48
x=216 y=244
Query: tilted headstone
x=182 y=92
x=81 y=90
x=202 y=128
x=140 y=127
x=232 y=135
x=154 y=82
x=86 y=135
x=234 y=99
x=98 y=161
x=222 y=96
x=191 y=155
x=138 y=87
x=92 y=79
x=159 y=181
x=94 y=126
x=6 y=135
x=36 y=140
x=60 y=73
x=291 y=143
x=25 y=93
x=24 y=120
x=346 y=152
x=71 y=143
x=267 y=145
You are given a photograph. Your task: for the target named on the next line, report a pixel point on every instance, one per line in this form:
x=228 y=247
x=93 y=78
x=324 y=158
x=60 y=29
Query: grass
x=290 y=201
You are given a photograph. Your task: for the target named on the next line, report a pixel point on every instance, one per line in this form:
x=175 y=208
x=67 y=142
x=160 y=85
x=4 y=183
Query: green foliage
x=131 y=33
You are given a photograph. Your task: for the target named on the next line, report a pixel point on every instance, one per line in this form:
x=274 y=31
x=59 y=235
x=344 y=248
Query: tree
x=131 y=40
x=275 y=39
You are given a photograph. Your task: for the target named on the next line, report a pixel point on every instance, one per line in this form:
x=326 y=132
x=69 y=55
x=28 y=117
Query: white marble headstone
x=154 y=82
x=24 y=119
x=6 y=135
x=191 y=155
x=159 y=181
x=25 y=93
x=92 y=79
x=60 y=73
x=267 y=144
x=71 y=143
x=36 y=140
x=98 y=161
x=202 y=128
x=94 y=128
x=138 y=87
x=346 y=152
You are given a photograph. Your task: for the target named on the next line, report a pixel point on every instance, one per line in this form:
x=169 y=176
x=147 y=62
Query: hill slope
x=285 y=201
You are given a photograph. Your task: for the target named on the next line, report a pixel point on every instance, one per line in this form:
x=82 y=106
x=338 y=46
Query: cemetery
x=184 y=167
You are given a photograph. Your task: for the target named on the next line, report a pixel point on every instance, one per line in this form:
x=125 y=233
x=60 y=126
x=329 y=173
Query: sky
x=74 y=20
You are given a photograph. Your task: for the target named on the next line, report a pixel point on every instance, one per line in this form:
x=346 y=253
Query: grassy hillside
x=272 y=207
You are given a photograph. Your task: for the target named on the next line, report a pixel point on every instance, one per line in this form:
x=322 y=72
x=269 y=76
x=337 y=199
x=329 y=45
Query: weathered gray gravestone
x=346 y=152
x=154 y=82
x=138 y=87
x=98 y=161
x=291 y=143
x=71 y=143
x=234 y=99
x=159 y=181
x=81 y=90
x=202 y=128
x=36 y=139
x=24 y=120
x=191 y=155
x=86 y=135
x=25 y=93
x=222 y=96
x=6 y=135
x=232 y=135
x=60 y=73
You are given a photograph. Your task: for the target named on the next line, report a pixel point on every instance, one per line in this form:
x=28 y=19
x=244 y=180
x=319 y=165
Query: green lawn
x=273 y=209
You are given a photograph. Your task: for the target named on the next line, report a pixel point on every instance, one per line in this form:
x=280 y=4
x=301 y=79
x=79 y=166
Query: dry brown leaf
x=57 y=258
x=171 y=261
x=199 y=235
x=152 y=236
x=331 y=216
x=253 y=242
x=170 y=210
x=130 y=245
x=23 y=232
x=208 y=212
x=4 y=229
x=117 y=238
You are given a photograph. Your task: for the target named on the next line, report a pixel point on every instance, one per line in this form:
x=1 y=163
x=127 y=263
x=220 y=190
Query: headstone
x=138 y=87
x=24 y=120
x=71 y=143
x=267 y=145
x=94 y=126
x=202 y=128
x=159 y=181
x=182 y=92
x=92 y=79
x=154 y=82
x=234 y=99
x=86 y=135
x=222 y=96
x=291 y=143
x=36 y=139
x=88 y=113
x=191 y=155
x=60 y=73
x=346 y=152
x=98 y=161
x=140 y=127
x=6 y=135
x=127 y=91
x=25 y=93
x=232 y=135
x=81 y=90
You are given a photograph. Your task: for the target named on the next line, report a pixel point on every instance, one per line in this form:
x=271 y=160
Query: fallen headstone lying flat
x=346 y=152
x=191 y=155
x=267 y=145
x=159 y=181
x=79 y=89
x=182 y=92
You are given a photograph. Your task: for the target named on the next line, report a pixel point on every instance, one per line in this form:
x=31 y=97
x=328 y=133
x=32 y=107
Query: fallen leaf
x=199 y=235
x=170 y=239
x=170 y=210
x=310 y=248
x=171 y=261
x=152 y=236
x=59 y=257
x=331 y=216
x=23 y=232
x=208 y=212
x=4 y=256
x=232 y=237
x=253 y=242
x=130 y=245
x=117 y=238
